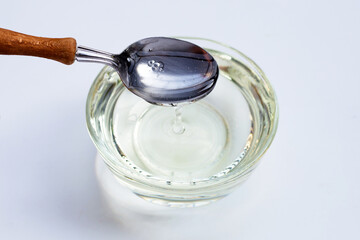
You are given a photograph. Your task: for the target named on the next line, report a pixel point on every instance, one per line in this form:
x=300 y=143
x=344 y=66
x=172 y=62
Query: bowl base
x=119 y=196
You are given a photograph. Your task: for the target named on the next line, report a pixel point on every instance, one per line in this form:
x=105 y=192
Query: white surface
x=307 y=186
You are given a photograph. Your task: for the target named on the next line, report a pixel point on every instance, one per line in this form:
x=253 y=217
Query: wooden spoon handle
x=59 y=49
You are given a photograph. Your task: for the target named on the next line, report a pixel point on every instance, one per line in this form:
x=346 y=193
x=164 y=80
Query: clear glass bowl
x=225 y=135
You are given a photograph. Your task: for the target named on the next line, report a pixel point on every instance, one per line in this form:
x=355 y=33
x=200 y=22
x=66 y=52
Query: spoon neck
x=85 y=54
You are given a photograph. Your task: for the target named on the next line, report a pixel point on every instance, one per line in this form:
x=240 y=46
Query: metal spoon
x=163 y=71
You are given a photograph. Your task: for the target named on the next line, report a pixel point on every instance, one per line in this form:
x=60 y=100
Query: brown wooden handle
x=59 y=49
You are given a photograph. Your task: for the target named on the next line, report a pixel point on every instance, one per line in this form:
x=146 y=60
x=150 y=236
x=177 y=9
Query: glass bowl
x=219 y=141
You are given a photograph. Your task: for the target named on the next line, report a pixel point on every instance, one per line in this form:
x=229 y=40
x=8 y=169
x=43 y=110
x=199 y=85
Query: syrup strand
x=178 y=125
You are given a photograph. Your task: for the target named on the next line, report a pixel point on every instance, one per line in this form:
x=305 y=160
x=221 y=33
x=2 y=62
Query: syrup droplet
x=156 y=66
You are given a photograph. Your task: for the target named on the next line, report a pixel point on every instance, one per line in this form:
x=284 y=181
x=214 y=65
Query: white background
x=307 y=186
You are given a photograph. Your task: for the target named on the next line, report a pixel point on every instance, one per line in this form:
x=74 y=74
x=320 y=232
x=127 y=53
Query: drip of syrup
x=178 y=124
